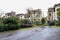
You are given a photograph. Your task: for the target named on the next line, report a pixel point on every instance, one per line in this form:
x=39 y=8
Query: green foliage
x=1 y=20
x=37 y=23
x=26 y=23
x=54 y=23
x=58 y=23
x=11 y=23
x=58 y=11
x=51 y=23
x=11 y=20
x=43 y=20
x=2 y=27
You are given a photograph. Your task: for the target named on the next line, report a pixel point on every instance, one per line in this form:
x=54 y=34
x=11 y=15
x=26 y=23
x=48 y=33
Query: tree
x=58 y=13
x=43 y=20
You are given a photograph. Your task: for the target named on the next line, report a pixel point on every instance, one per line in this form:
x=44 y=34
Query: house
x=52 y=12
x=9 y=14
x=35 y=15
x=32 y=15
x=51 y=15
x=27 y=16
x=21 y=16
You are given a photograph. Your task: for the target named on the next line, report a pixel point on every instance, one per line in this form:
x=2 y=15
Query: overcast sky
x=20 y=6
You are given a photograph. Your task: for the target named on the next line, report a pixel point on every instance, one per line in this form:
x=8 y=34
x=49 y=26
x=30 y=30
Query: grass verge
x=57 y=26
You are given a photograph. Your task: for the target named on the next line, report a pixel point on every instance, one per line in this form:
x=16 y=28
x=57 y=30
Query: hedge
x=10 y=23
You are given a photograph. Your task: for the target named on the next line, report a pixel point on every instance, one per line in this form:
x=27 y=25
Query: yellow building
x=35 y=15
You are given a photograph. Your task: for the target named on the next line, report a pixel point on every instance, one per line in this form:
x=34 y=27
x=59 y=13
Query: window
x=49 y=14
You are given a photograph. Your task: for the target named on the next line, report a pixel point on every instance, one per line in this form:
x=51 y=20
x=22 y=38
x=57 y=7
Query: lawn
x=57 y=26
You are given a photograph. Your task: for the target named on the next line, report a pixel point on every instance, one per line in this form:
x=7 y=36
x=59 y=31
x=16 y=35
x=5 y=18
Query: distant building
x=27 y=16
x=35 y=15
x=9 y=14
x=21 y=16
x=52 y=12
x=51 y=15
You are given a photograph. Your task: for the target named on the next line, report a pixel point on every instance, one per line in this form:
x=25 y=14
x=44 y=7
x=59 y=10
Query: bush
x=43 y=20
x=2 y=27
x=58 y=23
x=51 y=23
x=11 y=20
x=37 y=23
x=26 y=23
x=11 y=23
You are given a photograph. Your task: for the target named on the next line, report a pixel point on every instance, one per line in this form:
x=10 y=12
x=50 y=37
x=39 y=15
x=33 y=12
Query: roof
x=19 y=14
x=56 y=5
x=10 y=13
x=51 y=9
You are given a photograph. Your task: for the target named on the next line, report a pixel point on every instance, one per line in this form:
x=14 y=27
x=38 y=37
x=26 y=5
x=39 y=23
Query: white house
x=9 y=14
x=21 y=16
x=52 y=12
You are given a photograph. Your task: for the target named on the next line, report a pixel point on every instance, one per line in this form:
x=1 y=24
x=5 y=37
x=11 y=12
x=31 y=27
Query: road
x=34 y=34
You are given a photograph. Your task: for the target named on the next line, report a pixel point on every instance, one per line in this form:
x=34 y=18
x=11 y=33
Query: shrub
x=58 y=23
x=11 y=20
x=2 y=27
x=37 y=23
x=26 y=23
x=11 y=23
x=51 y=23
x=43 y=20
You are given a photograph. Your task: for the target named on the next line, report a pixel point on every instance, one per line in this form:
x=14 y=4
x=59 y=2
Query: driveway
x=48 y=33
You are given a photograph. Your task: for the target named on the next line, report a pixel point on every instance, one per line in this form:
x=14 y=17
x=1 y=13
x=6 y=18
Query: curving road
x=33 y=34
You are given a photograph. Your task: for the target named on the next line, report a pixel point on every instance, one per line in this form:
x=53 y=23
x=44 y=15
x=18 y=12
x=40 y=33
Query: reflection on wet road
x=34 y=34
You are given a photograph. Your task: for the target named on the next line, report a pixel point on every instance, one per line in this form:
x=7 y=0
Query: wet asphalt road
x=34 y=34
